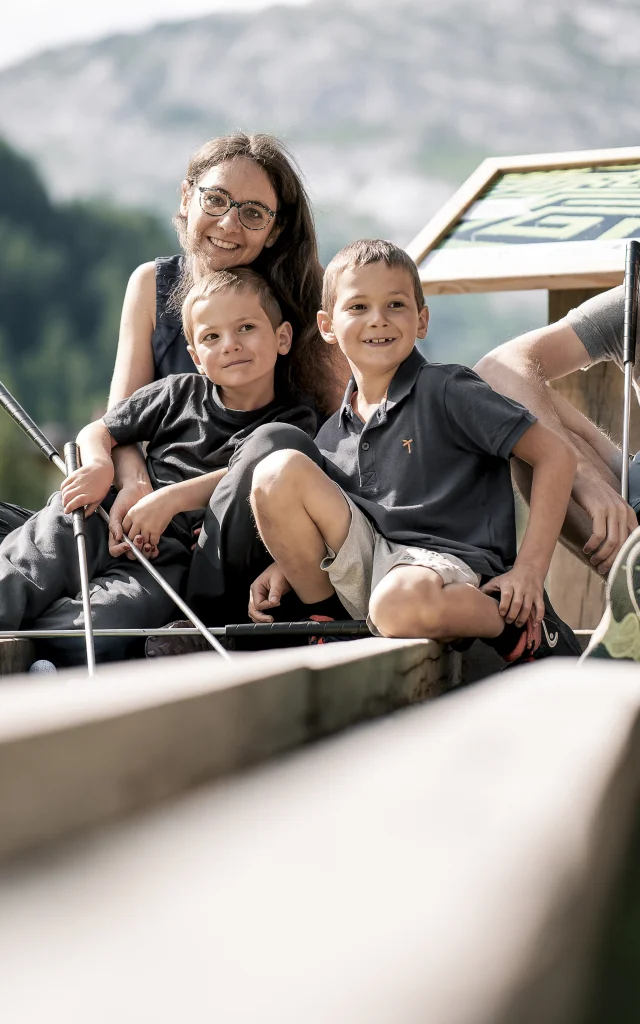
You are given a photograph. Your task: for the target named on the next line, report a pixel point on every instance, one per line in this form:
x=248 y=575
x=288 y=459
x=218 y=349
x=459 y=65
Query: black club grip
x=631 y=288
x=24 y=421
x=71 y=461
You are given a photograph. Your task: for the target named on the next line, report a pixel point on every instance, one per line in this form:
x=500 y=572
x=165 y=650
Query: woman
x=242 y=203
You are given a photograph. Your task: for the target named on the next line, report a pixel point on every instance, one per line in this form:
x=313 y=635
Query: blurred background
x=387 y=107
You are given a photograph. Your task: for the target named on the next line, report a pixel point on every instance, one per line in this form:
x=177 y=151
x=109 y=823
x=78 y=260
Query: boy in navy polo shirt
x=412 y=522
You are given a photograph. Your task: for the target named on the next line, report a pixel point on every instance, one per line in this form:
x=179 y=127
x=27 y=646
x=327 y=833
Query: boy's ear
x=185 y=197
x=196 y=358
x=284 y=334
x=423 y=322
x=325 y=326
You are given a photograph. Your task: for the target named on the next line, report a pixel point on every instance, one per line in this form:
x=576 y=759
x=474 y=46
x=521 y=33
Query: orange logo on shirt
x=407 y=445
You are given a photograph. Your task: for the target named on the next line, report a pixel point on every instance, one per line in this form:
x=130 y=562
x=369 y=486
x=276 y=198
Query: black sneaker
x=171 y=646
x=552 y=637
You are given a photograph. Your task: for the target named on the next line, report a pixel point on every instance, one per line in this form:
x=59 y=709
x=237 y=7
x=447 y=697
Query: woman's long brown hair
x=291 y=265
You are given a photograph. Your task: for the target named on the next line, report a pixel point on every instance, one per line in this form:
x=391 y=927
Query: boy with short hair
x=413 y=524
x=192 y=424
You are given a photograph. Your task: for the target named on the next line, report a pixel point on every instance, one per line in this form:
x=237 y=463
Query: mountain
x=387 y=104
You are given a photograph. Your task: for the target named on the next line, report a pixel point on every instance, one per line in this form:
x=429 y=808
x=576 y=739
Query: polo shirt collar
x=403 y=380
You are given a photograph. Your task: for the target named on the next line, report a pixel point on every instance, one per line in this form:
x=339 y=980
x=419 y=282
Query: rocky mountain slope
x=386 y=104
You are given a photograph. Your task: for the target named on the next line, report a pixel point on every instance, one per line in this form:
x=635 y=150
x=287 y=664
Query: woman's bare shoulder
x=144 y=276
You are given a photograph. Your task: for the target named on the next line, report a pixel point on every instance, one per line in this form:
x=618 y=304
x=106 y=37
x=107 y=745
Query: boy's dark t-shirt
x=190 y=432
x=431 y=468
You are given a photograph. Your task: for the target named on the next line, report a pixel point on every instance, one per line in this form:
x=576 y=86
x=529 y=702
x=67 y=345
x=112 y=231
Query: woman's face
x=222 y=242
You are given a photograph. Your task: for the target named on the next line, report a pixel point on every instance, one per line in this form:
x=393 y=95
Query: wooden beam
x=593 y=265
x=75 y=752
x=452 y=865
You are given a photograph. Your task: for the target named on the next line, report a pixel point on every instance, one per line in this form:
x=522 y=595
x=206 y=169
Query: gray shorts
x=366 y=557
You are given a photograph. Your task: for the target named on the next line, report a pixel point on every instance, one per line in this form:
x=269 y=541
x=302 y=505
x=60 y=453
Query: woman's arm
x=134 y=358
x=133 y=369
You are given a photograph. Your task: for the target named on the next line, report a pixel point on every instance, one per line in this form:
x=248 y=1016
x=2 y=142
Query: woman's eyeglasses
x=252 y=215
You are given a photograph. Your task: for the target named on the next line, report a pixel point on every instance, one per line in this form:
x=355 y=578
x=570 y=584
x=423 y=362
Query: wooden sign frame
x=562 y=266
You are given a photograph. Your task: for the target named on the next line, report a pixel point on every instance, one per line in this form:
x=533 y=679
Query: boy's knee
x=281 y=473
x=401 y=609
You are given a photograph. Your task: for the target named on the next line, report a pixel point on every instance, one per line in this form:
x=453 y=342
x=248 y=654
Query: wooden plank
x=555 y=266
x=451 y=864
x=74 y=752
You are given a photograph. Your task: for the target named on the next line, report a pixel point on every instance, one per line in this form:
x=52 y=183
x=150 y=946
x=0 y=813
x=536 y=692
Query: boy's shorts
x=366 y=557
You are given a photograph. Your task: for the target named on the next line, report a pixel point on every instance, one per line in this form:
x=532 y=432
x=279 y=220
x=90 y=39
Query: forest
x=63 y=273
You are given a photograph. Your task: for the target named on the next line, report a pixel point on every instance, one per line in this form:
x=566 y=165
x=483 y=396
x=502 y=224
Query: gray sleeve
x=599 y=322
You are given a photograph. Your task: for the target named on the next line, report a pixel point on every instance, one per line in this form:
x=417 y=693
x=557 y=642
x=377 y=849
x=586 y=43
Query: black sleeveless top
x=168 y=341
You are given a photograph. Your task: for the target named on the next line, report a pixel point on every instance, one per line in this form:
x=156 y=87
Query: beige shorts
x=366 y=557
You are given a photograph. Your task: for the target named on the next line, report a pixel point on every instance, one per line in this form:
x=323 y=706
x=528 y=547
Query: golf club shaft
x=71 y=464
x=30 y=428
x=631 y=285
x=240 y=629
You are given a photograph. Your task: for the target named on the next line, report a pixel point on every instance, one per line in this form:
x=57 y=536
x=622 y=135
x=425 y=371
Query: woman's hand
x=126 y=499
x=87 y=486
x=266 y=592
x=521 y=594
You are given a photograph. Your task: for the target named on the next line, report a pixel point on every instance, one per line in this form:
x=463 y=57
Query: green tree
x=63 y=273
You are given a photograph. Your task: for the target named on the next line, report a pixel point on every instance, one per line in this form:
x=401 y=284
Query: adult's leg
x=411 y=601
x=11 y=517
x=123 y=596
x=39 y=562
x=299 y=512
x=230 y=553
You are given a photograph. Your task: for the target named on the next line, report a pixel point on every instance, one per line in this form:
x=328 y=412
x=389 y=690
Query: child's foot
x=170 y=646
x=618 y=632
x=551 y=637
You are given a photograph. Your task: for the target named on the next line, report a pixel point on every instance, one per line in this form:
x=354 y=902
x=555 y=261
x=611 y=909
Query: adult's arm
x=133 y=369
x=521 y=370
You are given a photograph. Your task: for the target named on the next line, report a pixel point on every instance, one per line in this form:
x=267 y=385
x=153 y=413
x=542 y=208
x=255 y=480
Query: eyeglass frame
x=232 y=202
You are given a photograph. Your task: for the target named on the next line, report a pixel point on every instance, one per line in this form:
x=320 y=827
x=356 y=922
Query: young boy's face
x=234 y=343
x=375 y=319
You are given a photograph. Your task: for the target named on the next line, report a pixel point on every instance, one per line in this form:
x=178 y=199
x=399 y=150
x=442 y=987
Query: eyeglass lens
x=216 y=204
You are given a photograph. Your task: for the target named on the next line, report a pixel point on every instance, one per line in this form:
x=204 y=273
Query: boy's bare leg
x=299 y=511
x=412 y=602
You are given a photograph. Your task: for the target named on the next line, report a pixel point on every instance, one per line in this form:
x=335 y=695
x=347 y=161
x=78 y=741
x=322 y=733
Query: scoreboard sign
x=535 y=227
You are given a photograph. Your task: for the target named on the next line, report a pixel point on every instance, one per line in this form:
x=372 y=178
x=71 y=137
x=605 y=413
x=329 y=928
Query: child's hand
x=266 y=592
x=146 y=521
x=87 y=486
x=521 y=594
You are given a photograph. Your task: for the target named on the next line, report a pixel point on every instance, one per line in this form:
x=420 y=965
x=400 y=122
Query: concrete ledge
x=75 y=752
x=451 y=864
